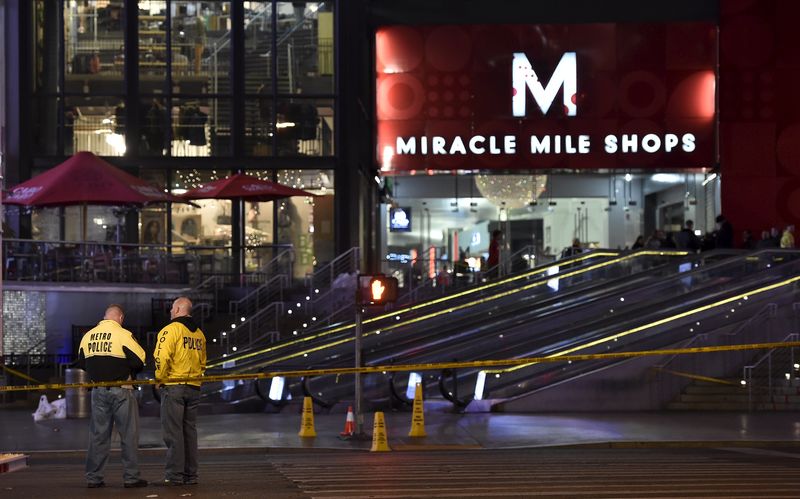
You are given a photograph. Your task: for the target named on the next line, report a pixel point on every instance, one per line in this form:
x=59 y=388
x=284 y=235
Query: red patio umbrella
x=241 y=187
x=246 y=187
x=86 y=179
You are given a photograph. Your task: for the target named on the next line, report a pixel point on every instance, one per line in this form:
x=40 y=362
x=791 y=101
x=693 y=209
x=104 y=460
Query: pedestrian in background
x=180 y=353
x=787 y=239
x=494 y=253
x=687 y=239
x=109 y=352
x=748 y=241
x=724 y=237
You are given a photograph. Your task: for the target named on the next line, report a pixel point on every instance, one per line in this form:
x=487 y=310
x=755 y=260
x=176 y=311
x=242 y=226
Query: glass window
x=258 y=47
x=201 y=46
x=258 y=230
x=305 y=47
x=152 y=44
x=46 y=47
x=96 y=223
x=201 y=127
x=307 y=222
x=96 y=124
x=153 y=127
x=208 y=225
x=305 y=127
x=259 y=128
x=45 y=125
x=94 y=46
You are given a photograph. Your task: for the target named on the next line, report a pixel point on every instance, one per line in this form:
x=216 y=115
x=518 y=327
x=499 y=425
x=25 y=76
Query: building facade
x=338 y=98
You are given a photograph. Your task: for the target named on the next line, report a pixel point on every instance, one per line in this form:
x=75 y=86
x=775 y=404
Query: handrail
x=502 y=266
x=281 y=280
x=771 y=308
x=747 y=371
x=330 y=268
x=265 y=8
x=254 y=324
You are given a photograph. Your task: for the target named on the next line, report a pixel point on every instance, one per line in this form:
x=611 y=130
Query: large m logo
x=565 y=75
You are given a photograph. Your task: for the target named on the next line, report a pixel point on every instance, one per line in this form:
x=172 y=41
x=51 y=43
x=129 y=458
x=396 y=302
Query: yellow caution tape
x=20 y=375
x=697 y=377
x=614 y=337
x=428 y=303
x=455 y=308
x=412 y=367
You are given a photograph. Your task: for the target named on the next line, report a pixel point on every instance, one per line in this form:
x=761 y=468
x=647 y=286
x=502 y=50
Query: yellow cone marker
x=418 y=416
x=379 y=441
x=307 y=424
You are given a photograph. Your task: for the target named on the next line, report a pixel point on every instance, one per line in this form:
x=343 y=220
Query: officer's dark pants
x=111 y=407
x=179 y=422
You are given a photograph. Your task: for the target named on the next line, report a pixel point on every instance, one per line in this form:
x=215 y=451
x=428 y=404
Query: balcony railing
x=101 y=262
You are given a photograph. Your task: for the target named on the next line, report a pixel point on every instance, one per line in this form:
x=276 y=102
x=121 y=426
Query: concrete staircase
x=707 y=396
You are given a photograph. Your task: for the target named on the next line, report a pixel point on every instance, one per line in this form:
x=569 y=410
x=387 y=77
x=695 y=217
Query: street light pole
x=359 y=390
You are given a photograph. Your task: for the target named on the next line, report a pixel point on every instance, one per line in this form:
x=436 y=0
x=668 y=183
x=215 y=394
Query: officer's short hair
x=115 y=306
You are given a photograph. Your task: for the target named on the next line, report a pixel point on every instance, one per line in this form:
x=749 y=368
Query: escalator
x=436 y=330
x=614 y=317
x=585 y=273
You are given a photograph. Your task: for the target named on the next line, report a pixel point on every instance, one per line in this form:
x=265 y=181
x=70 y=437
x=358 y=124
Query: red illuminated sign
x=545 y=96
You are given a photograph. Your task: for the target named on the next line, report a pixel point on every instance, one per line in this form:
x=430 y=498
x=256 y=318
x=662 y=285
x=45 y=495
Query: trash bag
x=45 y=410
x=60 y=406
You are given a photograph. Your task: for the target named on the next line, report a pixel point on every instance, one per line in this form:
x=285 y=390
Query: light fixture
x=516 y=191
x=709 y=178
x=667 y=178
x=628 y=177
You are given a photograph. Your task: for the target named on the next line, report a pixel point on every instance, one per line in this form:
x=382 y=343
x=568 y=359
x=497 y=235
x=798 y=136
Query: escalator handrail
x=349 y=325
x=537 y=281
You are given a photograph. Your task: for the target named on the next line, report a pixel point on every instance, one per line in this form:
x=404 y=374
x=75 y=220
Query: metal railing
x=324 y=277
x=766 y=365
x=280 y=264
x=522 y=259
x=270 y=291
x=713 y=365
x=263 y=325
x=774 y=365
x=73 y=261
x=95 y=261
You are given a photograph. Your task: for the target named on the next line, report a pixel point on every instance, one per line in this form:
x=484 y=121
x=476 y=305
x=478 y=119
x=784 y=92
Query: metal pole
x=359 y=393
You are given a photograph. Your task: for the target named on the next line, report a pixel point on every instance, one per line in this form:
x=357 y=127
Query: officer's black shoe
x=136 y=484
x=191 y=481
x=172 y=483
x=95 y=485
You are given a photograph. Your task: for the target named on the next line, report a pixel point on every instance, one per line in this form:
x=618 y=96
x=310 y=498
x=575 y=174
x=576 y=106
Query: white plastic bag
x=60 y=406
x=45 y=410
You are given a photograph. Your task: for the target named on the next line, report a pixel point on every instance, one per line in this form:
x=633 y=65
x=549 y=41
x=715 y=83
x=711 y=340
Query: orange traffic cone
x=349 y=423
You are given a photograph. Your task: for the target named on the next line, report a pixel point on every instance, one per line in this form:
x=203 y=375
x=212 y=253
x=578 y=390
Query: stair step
x=708 y=406
x=716 y=398
x=714 y=389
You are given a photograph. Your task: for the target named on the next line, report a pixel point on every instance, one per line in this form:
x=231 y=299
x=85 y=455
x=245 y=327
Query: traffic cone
x=349 y=423
x=307 y=423
x=418 y=416
x=379 y=441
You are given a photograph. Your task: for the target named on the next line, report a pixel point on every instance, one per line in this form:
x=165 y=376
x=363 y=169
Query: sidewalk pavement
x=18 y=432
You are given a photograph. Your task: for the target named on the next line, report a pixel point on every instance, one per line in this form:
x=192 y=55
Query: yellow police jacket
x=180 y=351
x=109 y=352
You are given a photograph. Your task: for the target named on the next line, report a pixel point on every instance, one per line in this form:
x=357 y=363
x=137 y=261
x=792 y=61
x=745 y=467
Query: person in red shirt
x=494 y=252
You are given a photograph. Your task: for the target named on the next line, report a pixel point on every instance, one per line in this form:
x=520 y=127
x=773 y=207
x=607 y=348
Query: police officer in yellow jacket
x=180 y=353
x=110 y=353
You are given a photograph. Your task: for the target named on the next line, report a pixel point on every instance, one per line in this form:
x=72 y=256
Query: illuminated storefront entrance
x=550 y=133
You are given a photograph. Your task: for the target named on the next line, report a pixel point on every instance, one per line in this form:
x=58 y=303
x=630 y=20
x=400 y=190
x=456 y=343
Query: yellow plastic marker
x=307 y=424
x=380 y=443
x=418 y=416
